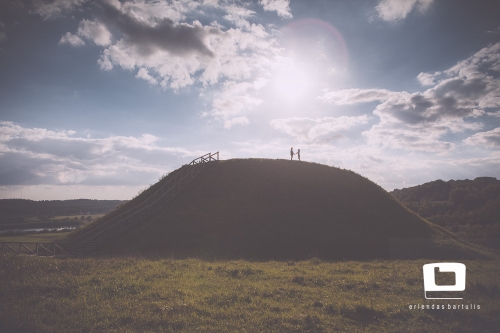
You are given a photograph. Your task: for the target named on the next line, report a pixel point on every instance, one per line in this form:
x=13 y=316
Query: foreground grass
x=35 y=237
x=154 y=295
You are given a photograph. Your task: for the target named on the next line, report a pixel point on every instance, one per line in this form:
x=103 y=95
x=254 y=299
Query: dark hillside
x=470 y=208
x=142 y=196
x=278 y=209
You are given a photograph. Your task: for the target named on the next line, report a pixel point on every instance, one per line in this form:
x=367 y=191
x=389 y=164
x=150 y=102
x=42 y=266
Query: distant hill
x=20 y=211
x=277 y=209
x=470 y=208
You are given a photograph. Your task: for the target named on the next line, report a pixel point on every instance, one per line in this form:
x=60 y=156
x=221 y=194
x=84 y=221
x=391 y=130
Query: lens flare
x=314 y=53
x=307 y=32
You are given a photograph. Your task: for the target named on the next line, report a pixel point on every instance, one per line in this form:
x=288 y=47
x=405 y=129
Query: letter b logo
x=430 y=278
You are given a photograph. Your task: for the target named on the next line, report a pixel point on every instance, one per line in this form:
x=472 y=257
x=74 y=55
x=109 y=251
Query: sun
x=291 y=82
x=314 y=56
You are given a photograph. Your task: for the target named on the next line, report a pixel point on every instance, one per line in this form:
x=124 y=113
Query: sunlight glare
x=292 y=83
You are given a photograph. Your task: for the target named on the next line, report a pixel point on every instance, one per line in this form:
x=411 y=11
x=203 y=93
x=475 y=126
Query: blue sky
x=98 y=99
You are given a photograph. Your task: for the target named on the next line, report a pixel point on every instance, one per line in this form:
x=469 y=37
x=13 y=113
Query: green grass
x=137 y=294
x=35 y=238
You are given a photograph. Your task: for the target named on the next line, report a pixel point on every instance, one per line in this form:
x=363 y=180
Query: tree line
x=469 y=208
x=18 y=210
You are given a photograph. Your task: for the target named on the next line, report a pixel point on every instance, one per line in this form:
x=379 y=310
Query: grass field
x=133 y=294
x=251 y=209
x=35 y=237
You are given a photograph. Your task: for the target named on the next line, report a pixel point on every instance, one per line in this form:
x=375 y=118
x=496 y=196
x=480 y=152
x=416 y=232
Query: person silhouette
x=291 y=153
x=298 y=154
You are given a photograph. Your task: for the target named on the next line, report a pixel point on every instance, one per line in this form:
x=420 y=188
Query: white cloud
x=211 y=3
x=394 y=10
x=71 y=39
x=238 y=15
x=282 y=7
x=143 y=74
x=235 y=98
x=402 y=136
x=419 y=121
x=427 y=79
x=485 y=139
x=35 y=156
x=155 y=39
x=318 y=130
x=233 y=101
x=166 y=46
x=56 y=8
x=228 y=123
x=94 y=31
x=483 y=62
x=354 y=96
x=149 y=11
x=416 y=169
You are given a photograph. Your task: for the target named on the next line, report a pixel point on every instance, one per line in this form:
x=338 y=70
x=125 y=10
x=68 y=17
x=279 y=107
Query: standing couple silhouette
x=292 y=153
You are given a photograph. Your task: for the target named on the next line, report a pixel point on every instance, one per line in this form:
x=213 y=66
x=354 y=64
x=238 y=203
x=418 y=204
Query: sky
x=99 y=99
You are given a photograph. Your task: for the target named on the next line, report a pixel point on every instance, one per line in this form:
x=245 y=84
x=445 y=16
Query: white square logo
x=430 y=278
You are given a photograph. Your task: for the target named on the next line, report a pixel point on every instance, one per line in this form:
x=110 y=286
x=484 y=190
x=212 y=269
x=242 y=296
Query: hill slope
x=277 y=209
x=470 y=208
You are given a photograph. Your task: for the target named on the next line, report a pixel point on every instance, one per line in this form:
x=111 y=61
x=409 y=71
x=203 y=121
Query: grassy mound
x=277 y=209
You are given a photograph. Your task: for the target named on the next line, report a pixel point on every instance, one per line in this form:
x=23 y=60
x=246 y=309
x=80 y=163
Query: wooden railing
x=125 y=219
x=38 y=249
x=205 y=158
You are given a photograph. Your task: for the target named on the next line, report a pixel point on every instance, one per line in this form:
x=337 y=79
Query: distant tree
x=18 y=210
x=457 y=196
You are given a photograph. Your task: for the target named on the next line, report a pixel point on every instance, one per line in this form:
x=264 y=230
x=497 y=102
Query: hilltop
x=278 y=209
